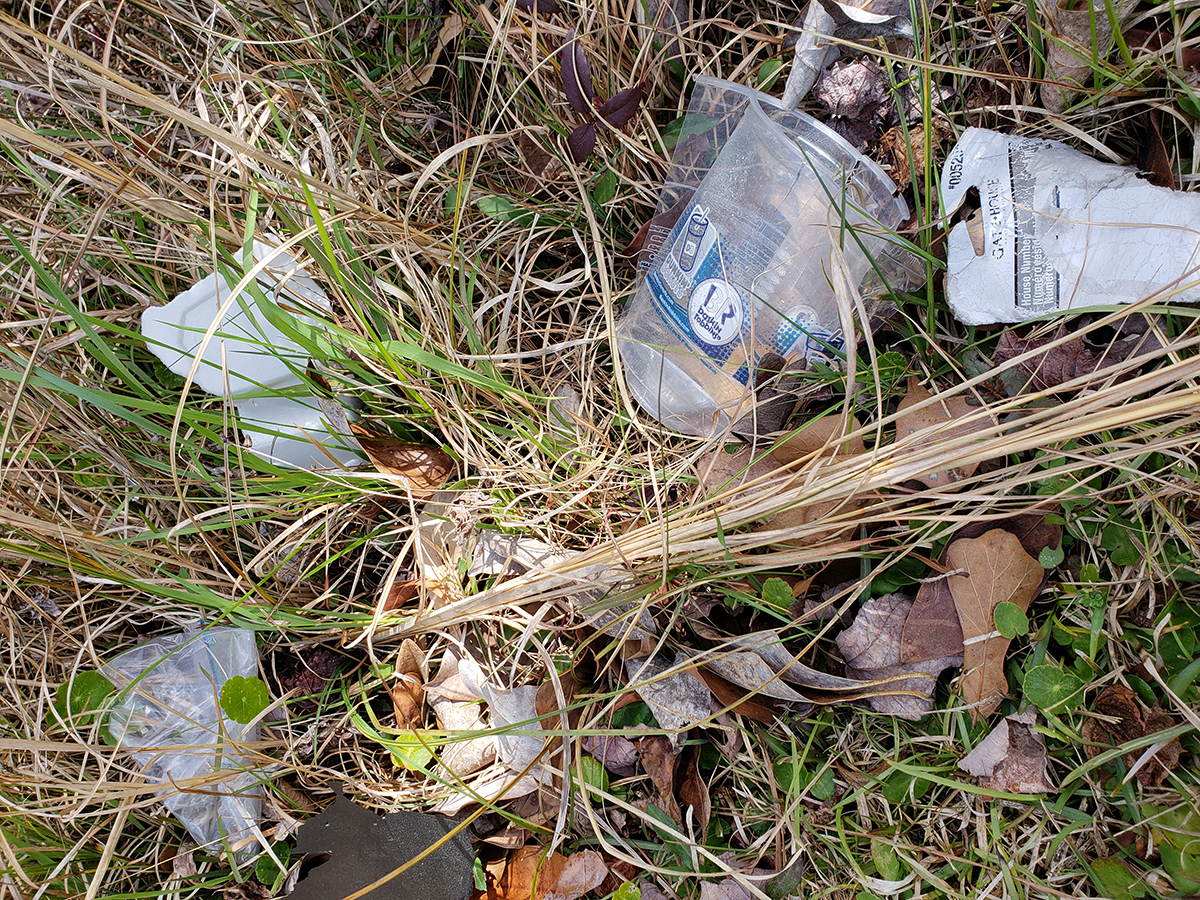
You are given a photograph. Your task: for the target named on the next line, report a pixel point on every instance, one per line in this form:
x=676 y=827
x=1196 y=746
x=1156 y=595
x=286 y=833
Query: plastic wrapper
x=168 y=717
x=1058 y=230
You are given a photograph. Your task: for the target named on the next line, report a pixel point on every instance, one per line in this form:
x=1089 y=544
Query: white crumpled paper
x=1058 y=230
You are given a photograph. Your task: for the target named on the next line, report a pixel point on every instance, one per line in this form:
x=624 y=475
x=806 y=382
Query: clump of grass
x=418 y=166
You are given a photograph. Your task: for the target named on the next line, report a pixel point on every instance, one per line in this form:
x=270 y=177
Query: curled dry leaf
x=690 y=787
x=994 y=568
x=1125 y=718
x=408 y=690
x=871 y=648
x=750 y=671
x=615 y=752
x=1062 y=358
x=658 y=758
x=422 y=469
x=1075 y=34
x=532 y=874
x=937 y=423
x=1011 y=758
x=576 y=75
x=734 y=698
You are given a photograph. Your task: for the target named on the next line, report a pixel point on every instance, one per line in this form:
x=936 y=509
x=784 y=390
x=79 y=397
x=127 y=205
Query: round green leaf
x=777 y=593
x=628 y=891
x=1048 y=687
x=1051 y=557
x=244 y=698
x=1010 y=619
x=82 y=697
x=594 y=774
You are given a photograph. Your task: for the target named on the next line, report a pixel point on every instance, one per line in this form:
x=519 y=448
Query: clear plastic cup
x=744 y=271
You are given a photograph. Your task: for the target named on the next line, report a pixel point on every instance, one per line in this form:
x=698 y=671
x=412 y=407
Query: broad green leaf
x=266 y=870
x=628 y=891
x=244 y=698
x=88 y=691
x=1010 y=619
x=1049 y=687
x=1051 y=557
x=594 y=774
x=606 y=187
x=777 y=593
x=1113 y=879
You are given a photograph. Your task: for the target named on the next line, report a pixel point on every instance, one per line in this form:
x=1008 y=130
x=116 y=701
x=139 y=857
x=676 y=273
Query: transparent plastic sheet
x=738 y=261
x=168 y=717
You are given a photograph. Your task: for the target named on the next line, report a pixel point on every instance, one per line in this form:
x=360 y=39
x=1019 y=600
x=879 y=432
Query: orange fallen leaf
x=408 y=690
x=995 y=568
x=531 y=874
x=423 y=469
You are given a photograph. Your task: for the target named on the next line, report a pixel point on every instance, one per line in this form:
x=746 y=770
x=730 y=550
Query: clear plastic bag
x=168 y=717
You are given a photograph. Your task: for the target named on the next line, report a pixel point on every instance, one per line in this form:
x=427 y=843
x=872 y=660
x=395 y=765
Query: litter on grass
x=1058 y=230
x=245 y=356
x=168 y=717
x=765 y=217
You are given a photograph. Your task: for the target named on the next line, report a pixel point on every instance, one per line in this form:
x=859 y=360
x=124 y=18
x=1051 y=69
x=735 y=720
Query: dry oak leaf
x=1126 y=719
x=529 y=874
x=408 y=690
x=1011 y=758
x=932 y=629
x=690 y=787
x=871 y=649
x=935 y=424
x=422 y=469
x=658 y=759
x=994 y=568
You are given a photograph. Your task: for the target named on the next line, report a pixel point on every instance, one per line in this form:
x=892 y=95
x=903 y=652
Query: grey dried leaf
x=871 y=648
x=615 y=752
x=545 y=7
x=678 y=700
x=750 y=671
x=1012 y=757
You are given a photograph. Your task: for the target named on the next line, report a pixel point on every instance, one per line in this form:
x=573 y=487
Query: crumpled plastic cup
x=168 y=717
x=762 y=196
x=250 y=360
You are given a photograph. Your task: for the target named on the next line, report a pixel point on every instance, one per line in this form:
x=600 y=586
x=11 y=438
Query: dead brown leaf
x=932 y=629
x=1125 y=719
x=658 y=759
x=750 y=671
x=871 y=649
x=934 y=423
x=531 y=874
x=1012 y=757
x=908 y=155
x=1063 y=358
x=736 y=700
x=615 y=752
x=994 y=568
x=821 y=437
x=422 y=469
x=408 y=690
x=690 y=787
x=1031 y=529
